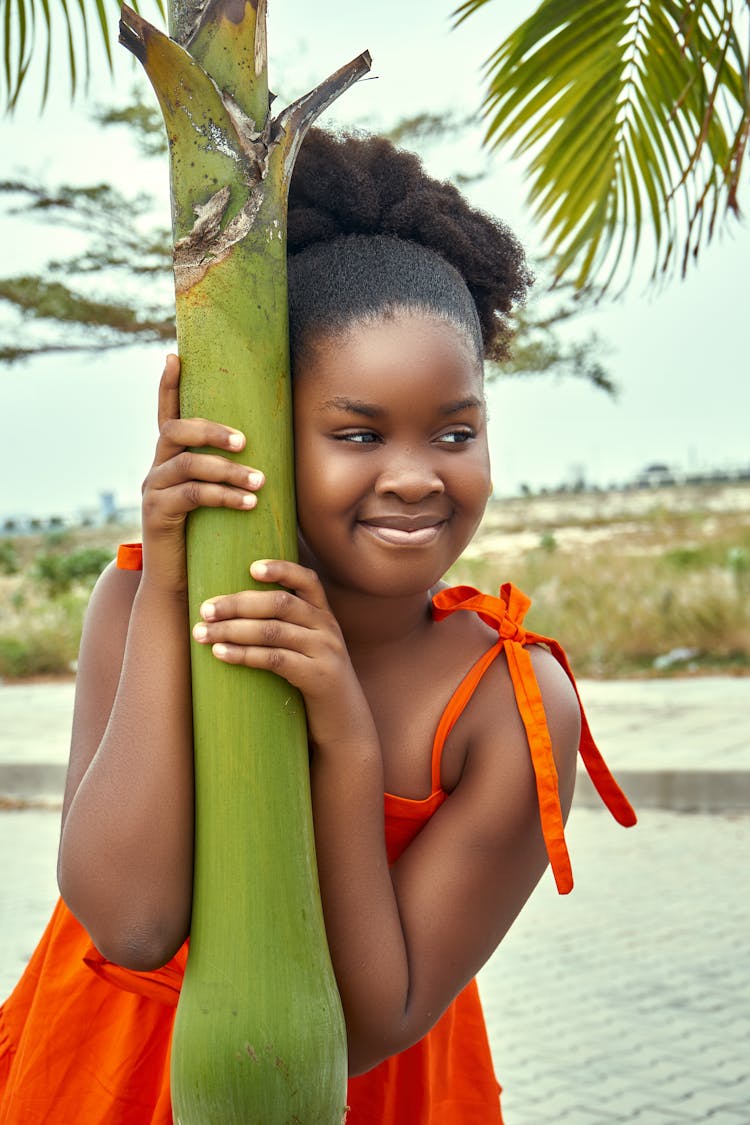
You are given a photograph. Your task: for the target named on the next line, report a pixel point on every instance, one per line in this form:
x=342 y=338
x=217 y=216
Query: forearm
x=365 y=935
x=126 y=848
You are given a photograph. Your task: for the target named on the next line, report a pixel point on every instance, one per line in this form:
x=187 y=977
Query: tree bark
x=259 y=1034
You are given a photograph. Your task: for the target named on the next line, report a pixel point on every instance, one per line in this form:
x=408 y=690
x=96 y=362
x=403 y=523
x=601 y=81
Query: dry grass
x=623 y=580
x=628 y=580
x=40 y=628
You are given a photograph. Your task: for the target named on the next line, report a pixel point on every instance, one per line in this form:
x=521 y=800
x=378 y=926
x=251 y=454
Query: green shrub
x=58 y=572
x=686 y=558
x=14 y=655
x=8 y=557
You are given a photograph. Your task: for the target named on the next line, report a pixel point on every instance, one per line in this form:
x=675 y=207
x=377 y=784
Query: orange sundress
x=84 y=1040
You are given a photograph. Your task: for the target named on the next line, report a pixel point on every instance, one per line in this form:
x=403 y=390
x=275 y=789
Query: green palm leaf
x=633 y=117
x=39 y=29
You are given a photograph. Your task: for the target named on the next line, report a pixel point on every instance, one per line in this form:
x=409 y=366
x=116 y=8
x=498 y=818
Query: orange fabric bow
x=506 y=614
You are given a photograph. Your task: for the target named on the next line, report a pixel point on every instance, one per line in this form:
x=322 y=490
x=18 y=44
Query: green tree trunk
x=259 y=1035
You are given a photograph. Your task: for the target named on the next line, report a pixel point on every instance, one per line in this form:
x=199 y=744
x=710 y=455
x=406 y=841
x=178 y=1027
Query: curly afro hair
x=369 y=232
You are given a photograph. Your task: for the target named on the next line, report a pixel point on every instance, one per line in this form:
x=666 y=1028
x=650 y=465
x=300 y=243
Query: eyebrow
x=462 y=404
x=353 y=406
x=371 y=410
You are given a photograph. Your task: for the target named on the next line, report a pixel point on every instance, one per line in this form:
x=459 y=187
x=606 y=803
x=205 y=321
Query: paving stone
x=629 y=1018
x=626 y=1001
x=655 y=1115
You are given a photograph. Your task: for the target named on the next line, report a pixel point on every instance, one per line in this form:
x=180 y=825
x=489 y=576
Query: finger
x=301 y=579
x=261 y=605
x=263 y=633
x=211 y=468
x=177 y=434
x=169 y=390
x=183 y=498
x=292 y=666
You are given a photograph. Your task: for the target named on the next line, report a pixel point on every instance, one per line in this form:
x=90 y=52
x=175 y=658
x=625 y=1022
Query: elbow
x=361 y=1059
x=136 y=950
x=141 y=942
x=364 y=1056
x=370 y=1046
x=135 y=945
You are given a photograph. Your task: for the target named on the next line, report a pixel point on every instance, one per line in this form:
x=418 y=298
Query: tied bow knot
x=505 y=614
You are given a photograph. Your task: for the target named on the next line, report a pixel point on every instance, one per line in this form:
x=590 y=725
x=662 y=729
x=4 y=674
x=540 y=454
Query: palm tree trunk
x=259 y=1034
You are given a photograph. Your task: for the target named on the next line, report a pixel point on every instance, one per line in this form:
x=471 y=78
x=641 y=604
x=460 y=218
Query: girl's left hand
x=293 y=633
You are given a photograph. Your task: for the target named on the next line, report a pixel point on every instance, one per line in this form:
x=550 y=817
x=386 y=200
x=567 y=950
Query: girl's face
x=392 y=466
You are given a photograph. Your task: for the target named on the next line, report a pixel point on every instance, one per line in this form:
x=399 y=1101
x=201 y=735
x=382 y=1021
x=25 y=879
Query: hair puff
x=364 y=185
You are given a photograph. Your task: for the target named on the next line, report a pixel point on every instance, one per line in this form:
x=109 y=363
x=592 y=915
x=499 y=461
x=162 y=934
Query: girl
x=471 y=728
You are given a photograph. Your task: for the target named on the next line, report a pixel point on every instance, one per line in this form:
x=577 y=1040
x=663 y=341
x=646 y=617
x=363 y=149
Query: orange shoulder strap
x=130 y=556
x=506 y=614
x=456 y=706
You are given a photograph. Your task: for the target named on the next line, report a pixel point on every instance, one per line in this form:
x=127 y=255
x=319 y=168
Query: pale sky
x=76 y=426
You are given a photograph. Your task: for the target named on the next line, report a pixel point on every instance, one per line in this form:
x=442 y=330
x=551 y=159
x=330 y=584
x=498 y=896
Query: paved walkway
x=680 y=744
x=626 y=1001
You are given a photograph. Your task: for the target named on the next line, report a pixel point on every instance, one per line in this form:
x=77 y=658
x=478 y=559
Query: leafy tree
x=76 y=304
x=114 y=292
x=634 y=116
x=631 y=114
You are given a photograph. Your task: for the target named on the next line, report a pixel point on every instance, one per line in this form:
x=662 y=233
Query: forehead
x=406 y=349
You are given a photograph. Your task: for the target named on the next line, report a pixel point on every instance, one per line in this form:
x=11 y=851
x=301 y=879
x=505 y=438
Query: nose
x=410 y=477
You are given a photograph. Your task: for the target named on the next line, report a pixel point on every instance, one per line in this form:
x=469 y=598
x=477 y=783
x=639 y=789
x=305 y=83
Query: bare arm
x=125 y=860
x=126 y=845
x=404 y=940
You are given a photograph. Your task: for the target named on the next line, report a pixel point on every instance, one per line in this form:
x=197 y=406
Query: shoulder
x=497 y=743
x=107 y=618
x=562 y=709
x=110 y=604
x=100 y=657
x=561 y=705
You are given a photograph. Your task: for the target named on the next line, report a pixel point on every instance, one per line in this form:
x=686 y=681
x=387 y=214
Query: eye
x=358 y=437
x=457 y=437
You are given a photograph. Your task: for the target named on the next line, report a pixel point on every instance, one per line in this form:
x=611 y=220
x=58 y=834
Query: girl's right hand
x=180 y=480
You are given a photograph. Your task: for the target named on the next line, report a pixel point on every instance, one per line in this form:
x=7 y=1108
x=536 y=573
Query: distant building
x=108 y=511
x=656 y=476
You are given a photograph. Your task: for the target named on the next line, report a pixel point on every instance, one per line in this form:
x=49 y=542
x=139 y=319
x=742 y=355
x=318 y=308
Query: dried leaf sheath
x=259 y=1035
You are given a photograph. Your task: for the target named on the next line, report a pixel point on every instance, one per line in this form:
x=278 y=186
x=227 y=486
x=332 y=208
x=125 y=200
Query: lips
x=405 y=531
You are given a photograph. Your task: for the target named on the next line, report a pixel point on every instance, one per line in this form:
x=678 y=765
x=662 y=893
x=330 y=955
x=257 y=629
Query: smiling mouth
x=420 y=534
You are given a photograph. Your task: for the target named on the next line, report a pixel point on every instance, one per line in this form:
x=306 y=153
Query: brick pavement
x=626 y=1001
x=629 y=1000
x=679 y=744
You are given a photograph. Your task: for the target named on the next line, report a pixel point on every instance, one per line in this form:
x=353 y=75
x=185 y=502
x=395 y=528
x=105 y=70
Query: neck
x=371 y=623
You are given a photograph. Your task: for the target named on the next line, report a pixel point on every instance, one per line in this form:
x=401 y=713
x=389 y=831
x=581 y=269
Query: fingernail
x=200 y=632
x=208 y=610
x=258 y=569
x=255 y=478
x=220 y=650
x=236 y=441
x=249 y=500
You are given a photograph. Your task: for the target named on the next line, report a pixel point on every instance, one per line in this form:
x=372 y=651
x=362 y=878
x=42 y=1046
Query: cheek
x=325 y=486
x=474 y=476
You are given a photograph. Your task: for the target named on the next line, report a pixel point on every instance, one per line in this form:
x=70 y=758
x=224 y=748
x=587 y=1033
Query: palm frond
x=633 y=117
x=36 y=31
